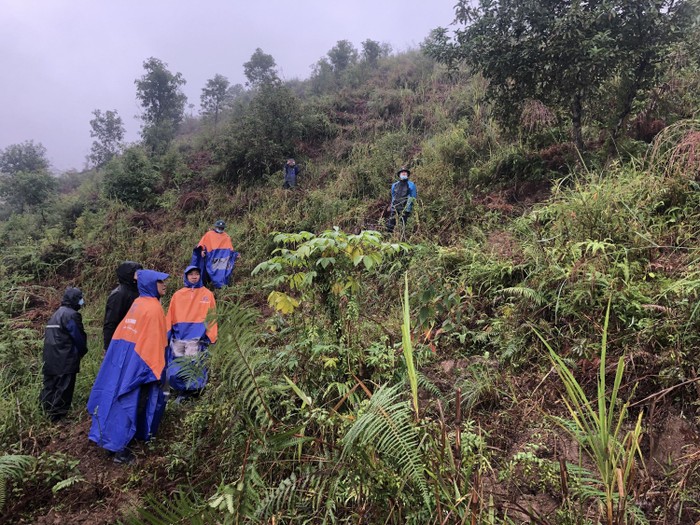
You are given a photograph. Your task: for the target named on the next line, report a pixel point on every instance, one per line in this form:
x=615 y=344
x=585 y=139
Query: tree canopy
x=26 y=157
x=561 y=52
x=342 y=55
x=214 y=97
x=160 y=93
x=260 y=69
x=108 y=130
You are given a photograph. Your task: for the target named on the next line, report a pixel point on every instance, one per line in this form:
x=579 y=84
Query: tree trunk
x=629 y=94
x=576 y=112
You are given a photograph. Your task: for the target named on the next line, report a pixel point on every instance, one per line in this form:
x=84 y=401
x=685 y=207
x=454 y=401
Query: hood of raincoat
x=188 y=284
x=147 y=280
x=72 y=297
x=125 y=272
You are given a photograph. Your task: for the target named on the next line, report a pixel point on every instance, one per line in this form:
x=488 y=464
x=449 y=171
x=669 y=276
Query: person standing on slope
x=403 y=195
x=214 y=256
x=120 y=299
x=190 y=333
x=291 y=170
x=65 y=344
x=127 y=400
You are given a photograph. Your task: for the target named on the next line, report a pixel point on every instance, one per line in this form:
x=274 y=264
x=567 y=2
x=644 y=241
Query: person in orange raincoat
x=127 y=399
x=191 y=329
x=214 y=256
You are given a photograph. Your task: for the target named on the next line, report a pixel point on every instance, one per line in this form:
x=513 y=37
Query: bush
x=509 y=166
x=132 y=179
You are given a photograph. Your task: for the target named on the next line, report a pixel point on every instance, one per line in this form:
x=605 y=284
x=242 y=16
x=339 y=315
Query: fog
x=65 y=58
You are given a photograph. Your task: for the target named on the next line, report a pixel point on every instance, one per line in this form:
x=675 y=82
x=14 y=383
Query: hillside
x=450 y=373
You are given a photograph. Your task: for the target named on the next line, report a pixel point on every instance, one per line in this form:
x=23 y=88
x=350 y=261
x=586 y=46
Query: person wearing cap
x=65 y=344
x=120 y=299
x=291 y=170
x=214 y=256
x=403 y=195
x=126 y=400
x=191 y=329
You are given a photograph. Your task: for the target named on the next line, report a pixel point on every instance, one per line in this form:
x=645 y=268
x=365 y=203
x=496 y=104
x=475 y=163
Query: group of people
x=148 y=354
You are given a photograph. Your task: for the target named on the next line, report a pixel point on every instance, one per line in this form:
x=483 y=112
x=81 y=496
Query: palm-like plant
x=598 y=429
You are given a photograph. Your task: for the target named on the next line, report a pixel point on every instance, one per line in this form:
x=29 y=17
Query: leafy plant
x=386 y=426
x=329 y=268
x=12 y=466
x=598 y=428
x=408 y=347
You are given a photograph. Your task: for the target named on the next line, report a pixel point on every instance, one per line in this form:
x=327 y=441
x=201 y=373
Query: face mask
x=81 y=302
x=403 y=177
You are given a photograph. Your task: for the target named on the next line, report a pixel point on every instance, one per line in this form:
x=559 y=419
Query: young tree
x=323 y=79
x=260 y=69
x=163 y=102
x=266 y=132
x=132 y=179
x=108 y=129
x=26 y=157
x=342 y=56
x=24 y=190
x=215 y=96
x=372 y=51
x=561 y=52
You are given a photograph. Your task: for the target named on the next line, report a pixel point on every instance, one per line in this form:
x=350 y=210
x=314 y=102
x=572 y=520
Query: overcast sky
x=62 y=59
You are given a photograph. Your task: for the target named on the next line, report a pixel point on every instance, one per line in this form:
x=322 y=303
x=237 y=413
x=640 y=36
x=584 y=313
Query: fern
x=244 y=362
x=66 y=483
x=526 y=293
x=180 y=509
x=386 y=425
x=192 y=368
x=11 y=466
x=312 y=492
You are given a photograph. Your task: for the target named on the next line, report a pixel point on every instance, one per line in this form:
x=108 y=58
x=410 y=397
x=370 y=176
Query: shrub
x=132 y=179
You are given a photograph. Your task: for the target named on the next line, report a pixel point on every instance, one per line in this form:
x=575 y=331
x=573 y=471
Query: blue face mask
x=81 y=302
x=403 y=177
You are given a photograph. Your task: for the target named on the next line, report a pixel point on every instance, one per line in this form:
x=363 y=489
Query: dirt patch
x=103 y=491
x=503 y=245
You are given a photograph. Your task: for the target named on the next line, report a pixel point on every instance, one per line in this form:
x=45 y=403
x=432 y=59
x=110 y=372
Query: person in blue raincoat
x=192 y=328
x=214 y=256
x=403 y=195
x=127 y=399
x=291 y=170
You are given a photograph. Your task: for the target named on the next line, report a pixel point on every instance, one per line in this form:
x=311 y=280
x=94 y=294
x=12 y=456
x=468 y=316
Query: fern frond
x=179 y=509
x=12 y=466
x=428 y=386
x=244 y=361
x=387 y=426
x=526 y=293
x=192 y=368
x=309 y=493
x=66 y=483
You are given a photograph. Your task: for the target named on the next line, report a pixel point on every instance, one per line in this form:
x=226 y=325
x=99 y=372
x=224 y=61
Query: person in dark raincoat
x=291 y=170
x=127 y=399
x=191 y=329
x=403 y=195
x=65 y=344
x=120 y=299
x=214 y=256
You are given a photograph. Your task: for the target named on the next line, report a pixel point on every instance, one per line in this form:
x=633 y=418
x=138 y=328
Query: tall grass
x=408 y=346
x=598 y=429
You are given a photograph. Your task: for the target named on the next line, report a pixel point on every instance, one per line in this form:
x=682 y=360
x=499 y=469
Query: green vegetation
x=359 y=379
